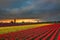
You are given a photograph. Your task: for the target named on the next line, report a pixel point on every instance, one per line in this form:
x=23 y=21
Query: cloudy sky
x=47 y=10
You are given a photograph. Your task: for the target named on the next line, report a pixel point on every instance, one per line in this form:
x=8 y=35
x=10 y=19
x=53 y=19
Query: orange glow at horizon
x=6 y=20
x=26 y=20
x=18 y=20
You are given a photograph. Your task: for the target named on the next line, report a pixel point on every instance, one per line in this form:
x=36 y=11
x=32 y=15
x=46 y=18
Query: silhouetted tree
x=22 y=21
x=11 y=22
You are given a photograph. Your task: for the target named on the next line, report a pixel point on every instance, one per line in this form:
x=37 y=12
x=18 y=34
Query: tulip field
x=31 y=32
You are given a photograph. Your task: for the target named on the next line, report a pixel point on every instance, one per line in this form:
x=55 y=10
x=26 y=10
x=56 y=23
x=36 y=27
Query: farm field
x=31 y=32
x=19 y=28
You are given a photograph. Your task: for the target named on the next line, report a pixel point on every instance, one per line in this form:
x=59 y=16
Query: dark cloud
x=6 y=3
x=48 y=10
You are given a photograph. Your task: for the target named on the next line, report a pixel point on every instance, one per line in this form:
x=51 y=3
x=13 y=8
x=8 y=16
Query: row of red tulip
x=45 y=32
